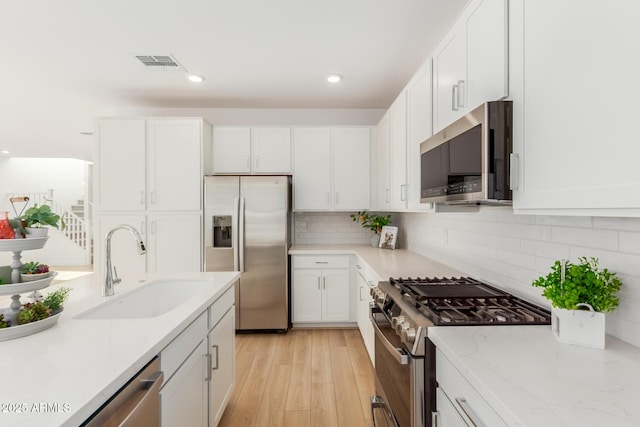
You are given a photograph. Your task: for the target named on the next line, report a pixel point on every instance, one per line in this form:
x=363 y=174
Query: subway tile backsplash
x=511 y=251
x=321 y=228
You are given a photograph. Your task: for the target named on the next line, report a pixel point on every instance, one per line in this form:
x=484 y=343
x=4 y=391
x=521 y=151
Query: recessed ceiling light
x=4 y=151
x=195 y=78
x=334 y=78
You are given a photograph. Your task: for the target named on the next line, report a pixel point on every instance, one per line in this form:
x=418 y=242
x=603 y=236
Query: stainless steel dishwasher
x=137 y=404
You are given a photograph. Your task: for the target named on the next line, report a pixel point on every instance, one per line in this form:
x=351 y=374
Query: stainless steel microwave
x=468 y=161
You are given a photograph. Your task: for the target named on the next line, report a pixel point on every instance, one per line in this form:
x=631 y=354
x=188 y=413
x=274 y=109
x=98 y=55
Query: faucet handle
x=116 y=279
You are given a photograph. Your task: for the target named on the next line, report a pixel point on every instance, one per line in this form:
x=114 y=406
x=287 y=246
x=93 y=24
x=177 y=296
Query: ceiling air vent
x=161 y=62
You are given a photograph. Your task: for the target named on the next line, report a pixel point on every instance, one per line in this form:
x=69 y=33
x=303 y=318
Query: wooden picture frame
x=388 y=237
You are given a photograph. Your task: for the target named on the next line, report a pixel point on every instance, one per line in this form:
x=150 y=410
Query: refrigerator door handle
x=234 y=236
x=241 y=234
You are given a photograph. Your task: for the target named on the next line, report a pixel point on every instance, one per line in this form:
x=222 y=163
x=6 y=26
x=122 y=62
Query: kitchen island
x=61 y=376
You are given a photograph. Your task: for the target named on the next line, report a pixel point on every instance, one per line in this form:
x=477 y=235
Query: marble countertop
x=62 y=375
x=533 y=380
x=384 y=262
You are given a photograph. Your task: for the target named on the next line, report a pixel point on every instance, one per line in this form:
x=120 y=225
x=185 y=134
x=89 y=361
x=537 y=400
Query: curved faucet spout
x=111 y=276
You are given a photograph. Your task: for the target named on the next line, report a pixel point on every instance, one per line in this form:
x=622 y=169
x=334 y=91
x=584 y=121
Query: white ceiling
x=66 y=62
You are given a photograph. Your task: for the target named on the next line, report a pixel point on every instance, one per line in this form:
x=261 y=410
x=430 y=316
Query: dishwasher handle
x=148 y=405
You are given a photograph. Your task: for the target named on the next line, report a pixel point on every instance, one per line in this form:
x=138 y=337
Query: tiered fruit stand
x=15 y=289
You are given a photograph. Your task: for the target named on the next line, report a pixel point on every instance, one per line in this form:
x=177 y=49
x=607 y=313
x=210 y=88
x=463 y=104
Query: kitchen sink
x=151 y=300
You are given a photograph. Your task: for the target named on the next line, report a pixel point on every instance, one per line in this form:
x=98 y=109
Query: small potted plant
x=33 y=270
x=580 y=294
x=37 y=218
x=373 y=222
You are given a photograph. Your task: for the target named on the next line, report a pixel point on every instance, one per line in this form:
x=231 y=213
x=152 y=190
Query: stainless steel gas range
x=402 y=312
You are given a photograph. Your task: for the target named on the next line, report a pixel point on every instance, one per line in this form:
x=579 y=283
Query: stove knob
x=396 y=320
x=408 y=335
x=402 y=326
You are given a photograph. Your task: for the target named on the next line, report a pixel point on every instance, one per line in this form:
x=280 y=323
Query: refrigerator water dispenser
x=222 y=231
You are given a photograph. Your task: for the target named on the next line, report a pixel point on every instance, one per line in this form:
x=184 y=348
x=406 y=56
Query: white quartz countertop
x=385 y=262
x=62 y=375
x=533 y=380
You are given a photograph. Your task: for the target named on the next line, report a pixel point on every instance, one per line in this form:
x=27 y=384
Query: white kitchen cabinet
x=251 y=150
x=419 y=122
x=221 y=341
x=365 y=280
x=183 y=398
x=457 y=402
x=175 y=165
x=332 y=168
x=321 y=289
x=152 y=167
x=392 y=156
x=573 y=142
x=150 y=164
x=470 y=63
x=174 y=243
x=120 y=165
x=199 y=367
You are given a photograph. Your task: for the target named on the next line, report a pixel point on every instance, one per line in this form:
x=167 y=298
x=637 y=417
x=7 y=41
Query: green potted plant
x=36 y=219
x=580 y=294
x=372 y=222
x=33 y=270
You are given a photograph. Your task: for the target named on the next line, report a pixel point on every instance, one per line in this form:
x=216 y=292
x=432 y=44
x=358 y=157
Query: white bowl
x=33 y=277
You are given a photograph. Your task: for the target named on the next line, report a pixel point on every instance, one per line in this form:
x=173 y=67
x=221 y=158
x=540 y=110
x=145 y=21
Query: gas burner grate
x=466 y=301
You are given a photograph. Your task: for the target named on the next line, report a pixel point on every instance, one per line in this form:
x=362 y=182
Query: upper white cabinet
x=470 y=64
x=251 y=150
x=154 y=164
x=332 y=168
x=418 y=130
x=575 y=120
x=392 y=156
x=120 y=164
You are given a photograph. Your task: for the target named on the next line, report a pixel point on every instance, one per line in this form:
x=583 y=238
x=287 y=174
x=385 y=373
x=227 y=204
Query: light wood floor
x=307 y=377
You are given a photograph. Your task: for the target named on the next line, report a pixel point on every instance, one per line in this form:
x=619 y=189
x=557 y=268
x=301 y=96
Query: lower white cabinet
x=364 y=282
x=222 y=365
x=183 y=398
x=199 y=368
x=321 y=289
x=457 y=402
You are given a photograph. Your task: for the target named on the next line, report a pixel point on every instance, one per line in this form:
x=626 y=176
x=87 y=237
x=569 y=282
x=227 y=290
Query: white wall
x=34 y=175
x=511 y=251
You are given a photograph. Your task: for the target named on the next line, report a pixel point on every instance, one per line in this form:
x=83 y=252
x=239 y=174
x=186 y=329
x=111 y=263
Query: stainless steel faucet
x=111 y=276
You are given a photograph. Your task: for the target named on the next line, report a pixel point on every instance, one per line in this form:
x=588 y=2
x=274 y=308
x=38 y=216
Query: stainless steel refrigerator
x=247 y=221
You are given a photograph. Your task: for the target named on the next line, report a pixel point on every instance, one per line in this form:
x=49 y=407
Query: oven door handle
x=397 y=353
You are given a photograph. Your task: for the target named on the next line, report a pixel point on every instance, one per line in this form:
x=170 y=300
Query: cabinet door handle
x=462 y=402
x=403 y=192
x=514 y=171
x=153 y=197
x=361 y=293
x=207 y=375
x=461 y=91
x=215 y=347
x=387 y=195
x=454 y=97
x=324 y=283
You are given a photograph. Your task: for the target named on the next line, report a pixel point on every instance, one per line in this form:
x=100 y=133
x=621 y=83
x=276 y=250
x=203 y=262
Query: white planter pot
x=374 y=240
x=36 y=232
x=579 y=327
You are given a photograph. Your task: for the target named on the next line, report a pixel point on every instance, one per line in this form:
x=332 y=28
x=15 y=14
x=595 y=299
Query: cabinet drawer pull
x=462 y=402
x=322 y=262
